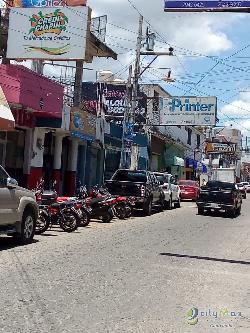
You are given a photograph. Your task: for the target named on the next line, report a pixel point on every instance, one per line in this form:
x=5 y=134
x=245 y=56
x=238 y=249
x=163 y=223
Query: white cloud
x=237 y=110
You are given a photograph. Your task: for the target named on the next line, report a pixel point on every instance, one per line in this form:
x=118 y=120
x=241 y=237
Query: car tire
x=169 y=204
x=200 y=211
x=232 y=213
x=178 y=203
x=148 y=210
x=238 y=210
x=28 y=227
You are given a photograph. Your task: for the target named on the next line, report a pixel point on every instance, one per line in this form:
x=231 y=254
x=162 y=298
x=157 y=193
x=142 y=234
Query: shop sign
x=203 y=6
x=48 y=3
x=82 y=124
x=221 y=148
x=114 y=101
x=193 y=111
x=49 y=33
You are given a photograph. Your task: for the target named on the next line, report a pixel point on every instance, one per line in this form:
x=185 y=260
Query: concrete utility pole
x=136 y=71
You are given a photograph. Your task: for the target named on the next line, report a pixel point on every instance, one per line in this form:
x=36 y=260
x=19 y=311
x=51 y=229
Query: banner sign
x=113 y=101
x=221 y=148
x=48 y=33
x=82 y=124
x=202 y=6
x=193 y=111
x=47 y=3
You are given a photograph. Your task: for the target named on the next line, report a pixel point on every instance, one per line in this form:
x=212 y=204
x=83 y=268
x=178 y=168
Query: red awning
x=7 y=121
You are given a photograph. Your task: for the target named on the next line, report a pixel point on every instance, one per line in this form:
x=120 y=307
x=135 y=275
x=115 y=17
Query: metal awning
x=7 y=121
x=96 y=48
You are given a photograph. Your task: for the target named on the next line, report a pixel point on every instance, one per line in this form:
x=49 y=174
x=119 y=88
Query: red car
x=189 y=189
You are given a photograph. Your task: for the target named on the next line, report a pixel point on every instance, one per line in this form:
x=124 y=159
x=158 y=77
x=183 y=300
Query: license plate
x=214 y=205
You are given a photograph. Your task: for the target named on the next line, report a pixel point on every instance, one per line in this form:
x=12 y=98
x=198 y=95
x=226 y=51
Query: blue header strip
x=196 y=5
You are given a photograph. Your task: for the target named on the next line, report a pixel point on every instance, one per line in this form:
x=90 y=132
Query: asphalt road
x=140 y=275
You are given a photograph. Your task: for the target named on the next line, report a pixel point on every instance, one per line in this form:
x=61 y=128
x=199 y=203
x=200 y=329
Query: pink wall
x=23 y=86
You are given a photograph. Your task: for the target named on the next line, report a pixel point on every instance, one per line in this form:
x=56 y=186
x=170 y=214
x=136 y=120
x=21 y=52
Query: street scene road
x=144 y=274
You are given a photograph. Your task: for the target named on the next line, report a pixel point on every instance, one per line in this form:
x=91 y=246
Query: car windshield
x=187 y=183
x=130 y=176
x=161 y=178
x=220 y=185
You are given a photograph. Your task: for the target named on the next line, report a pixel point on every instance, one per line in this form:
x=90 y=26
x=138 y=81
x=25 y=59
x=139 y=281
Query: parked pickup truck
x=217 y=195
x=18 y=209
x=142 y=185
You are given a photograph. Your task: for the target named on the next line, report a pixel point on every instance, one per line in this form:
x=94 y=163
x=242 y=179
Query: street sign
x=192 y=111
x=203 y=6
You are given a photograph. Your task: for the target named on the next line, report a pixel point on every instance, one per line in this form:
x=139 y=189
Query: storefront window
x=15 y=150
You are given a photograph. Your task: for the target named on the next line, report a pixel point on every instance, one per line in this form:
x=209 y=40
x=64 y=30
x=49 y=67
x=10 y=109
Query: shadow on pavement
x=7 y=243
x=206 y=258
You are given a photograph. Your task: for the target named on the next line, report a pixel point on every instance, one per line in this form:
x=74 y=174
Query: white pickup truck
x=18 y=209
x=224 y=175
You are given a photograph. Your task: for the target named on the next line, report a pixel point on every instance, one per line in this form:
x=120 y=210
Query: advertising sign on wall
x=48 y=3
x=194 y=111
x=221 y=148
x=114 y=99
x=202 y=6
x=82 y=124
x=47 y=33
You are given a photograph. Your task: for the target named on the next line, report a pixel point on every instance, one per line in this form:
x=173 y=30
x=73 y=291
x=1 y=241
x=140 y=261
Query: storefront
x=174 y=159
x=157 y=161
x=113 y=148
x=31 y=98
x=87 y=161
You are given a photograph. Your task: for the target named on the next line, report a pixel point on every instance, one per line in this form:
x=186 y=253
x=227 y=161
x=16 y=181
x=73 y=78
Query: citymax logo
x=189 y=105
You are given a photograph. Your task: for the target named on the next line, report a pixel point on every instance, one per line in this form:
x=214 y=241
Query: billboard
x=203 y=6
x=47 y=33
x=221 y=148
x=114 y=100
x=193 y=111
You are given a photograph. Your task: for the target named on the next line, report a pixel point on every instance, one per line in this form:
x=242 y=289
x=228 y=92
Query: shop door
x=2 y=148
x=64 y=168
x=48 y=160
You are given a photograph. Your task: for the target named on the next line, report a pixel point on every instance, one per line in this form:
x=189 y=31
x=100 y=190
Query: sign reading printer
x=186 y=110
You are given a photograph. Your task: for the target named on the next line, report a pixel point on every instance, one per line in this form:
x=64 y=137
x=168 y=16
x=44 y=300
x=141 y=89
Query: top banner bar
x=206 y=6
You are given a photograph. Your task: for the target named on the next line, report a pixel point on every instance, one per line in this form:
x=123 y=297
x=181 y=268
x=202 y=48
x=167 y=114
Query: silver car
x=18 y=209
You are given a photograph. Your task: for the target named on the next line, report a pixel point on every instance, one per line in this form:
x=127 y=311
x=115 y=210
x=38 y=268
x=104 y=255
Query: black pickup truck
x=142 y=185
x=217 y=195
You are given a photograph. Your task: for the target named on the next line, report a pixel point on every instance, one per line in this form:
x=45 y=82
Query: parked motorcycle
x=100 y=206
x=123 y=206
x=52 y=212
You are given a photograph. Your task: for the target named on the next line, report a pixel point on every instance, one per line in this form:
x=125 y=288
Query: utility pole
x=136 y=71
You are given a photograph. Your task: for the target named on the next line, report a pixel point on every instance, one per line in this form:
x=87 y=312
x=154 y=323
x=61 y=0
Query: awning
x=179 y=161
x=7 y=121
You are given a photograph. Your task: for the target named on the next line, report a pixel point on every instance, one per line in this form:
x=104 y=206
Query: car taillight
x=53 y=210
x=143 y=191
x=77 y=206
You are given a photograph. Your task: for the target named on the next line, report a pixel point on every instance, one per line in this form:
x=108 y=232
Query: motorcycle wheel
x=69 y=222
x=129 y=211
x=42 y=224
x=106 y=218
x=85 y=219
x=120 y=211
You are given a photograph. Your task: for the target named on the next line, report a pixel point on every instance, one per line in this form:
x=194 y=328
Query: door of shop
x=48 y=160
x=2 y=148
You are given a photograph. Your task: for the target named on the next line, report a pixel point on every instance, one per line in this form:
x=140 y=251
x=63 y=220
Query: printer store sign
x=194 y=111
